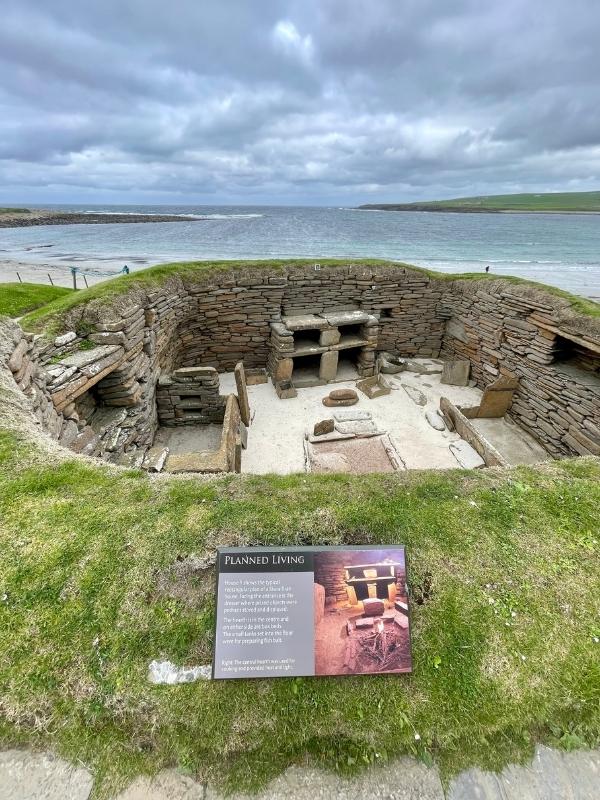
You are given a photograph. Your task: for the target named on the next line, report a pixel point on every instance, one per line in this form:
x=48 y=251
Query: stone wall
x=190 y=396
x=504 y=330
x=93 y=387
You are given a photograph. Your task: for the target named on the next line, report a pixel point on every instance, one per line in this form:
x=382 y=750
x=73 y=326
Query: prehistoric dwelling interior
x=361 y=612
x=351 y=368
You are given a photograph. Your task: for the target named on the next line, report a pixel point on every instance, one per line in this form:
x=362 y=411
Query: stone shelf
x=349 y=341
x=306 y=347
x=309 y=348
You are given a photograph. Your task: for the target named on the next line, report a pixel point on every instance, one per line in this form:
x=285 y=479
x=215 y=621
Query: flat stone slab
x=422 y=366
x=41 y=776
x=360 y=427
x=335 y=436
x=466 y=455
x=350 y=415
x=404 y=779
x=552 y=775
x=346 y=318
x=194 y=372
x=305 y=322
x=416 y=395
x=456 y=373
x=167 y=785
x=84 y=357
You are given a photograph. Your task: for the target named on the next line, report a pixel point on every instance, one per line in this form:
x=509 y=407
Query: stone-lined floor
x=552 y=775
x=276 y=435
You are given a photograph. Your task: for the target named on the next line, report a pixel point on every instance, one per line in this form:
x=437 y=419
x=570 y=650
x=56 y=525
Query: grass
x=19 y=298
x=50 y=317
x=505 y=647
x=570 y=202
x=14 y=211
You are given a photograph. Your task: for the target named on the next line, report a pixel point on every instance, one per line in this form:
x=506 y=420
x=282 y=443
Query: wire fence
x=85 y=273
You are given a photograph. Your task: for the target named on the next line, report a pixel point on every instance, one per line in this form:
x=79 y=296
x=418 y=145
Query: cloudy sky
x=296 y=101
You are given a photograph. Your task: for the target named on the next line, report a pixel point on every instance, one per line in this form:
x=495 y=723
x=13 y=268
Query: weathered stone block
x=323 y=427
x=284 y=369
x=341 y=397
x=329 y=365
x=329 y=337
x=456 y=373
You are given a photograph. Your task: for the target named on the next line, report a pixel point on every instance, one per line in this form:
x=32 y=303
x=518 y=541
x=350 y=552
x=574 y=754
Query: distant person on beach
x=487 y=269
x=126 y=269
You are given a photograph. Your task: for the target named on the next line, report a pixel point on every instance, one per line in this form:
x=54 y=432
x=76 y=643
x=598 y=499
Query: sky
x=296 y=102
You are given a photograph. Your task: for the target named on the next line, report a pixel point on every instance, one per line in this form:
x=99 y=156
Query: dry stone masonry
x=124 y=366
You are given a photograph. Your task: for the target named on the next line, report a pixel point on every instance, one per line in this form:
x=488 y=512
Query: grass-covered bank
x=504 y=572
x=20 y=298
x=50 y=317
x=537 y=202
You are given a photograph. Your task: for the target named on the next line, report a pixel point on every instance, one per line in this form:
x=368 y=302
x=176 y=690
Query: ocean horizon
x=562 y=250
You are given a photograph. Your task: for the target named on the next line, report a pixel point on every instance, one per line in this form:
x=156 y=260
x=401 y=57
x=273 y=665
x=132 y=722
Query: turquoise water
x=559 y=249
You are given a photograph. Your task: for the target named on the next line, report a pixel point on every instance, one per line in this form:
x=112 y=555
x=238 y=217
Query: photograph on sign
x=311 y=611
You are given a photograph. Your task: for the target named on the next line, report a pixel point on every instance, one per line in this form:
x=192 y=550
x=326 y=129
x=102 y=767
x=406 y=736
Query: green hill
x=549 y=202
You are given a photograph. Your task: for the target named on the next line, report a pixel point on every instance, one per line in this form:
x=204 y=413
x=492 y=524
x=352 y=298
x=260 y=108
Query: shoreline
x=476 y=210
x=92 y=271
x=41 y=217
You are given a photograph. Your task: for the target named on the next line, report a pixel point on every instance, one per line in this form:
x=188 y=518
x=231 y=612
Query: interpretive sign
x=311 y=611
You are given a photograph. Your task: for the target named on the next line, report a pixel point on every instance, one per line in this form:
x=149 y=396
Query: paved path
x=552 y=775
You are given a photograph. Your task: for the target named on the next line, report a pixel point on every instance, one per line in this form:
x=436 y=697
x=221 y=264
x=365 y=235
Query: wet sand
x=58 y=274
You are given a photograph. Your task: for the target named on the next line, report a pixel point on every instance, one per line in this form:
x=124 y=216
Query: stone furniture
x=306 y=349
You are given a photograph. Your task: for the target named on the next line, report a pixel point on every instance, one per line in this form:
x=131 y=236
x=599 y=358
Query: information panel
x=311 y=611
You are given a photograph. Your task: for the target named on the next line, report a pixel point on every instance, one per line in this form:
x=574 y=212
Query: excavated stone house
x=121 y=367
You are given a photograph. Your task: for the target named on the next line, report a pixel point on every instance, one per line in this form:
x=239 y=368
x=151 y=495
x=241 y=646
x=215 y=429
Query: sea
x=559 y=249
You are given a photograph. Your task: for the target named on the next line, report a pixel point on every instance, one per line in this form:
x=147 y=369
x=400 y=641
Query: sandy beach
x=89 y=272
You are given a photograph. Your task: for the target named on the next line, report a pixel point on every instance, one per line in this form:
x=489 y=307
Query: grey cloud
x=306 y=100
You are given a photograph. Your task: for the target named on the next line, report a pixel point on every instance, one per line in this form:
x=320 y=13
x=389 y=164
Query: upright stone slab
x=284 y=369
x=242 y=392
x=497 y=397
x=329 y=365
x=456 y=373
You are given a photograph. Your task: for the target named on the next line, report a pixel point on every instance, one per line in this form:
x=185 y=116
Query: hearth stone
x=373 y=607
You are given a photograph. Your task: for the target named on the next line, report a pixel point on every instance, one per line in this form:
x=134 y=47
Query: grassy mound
x=19 y=298
x=504 y=573
x=570 y=202
x=50 y=317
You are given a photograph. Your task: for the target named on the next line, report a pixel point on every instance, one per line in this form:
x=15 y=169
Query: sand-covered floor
x=276 y=435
